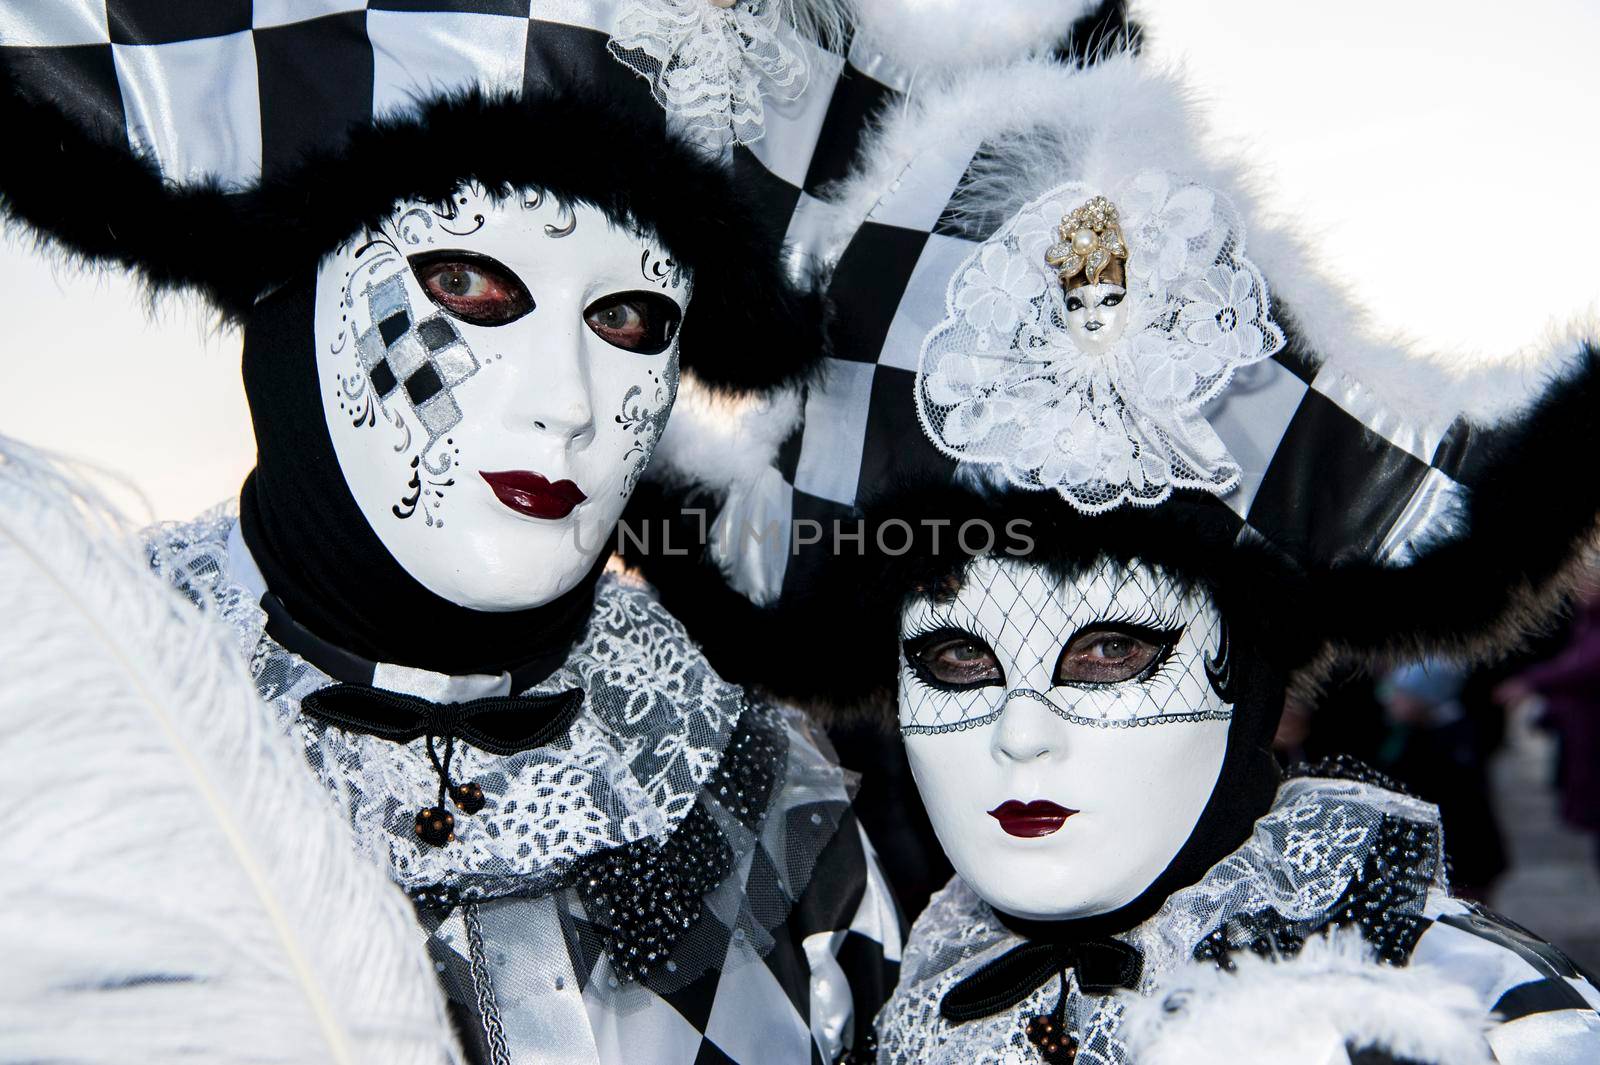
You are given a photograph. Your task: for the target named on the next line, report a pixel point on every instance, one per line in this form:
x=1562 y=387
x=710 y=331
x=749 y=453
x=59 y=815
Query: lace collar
x=654 y=727
x=1305 y=856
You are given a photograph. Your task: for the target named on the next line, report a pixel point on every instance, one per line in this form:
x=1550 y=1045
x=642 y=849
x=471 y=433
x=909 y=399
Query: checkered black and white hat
x=1418 y=501
x=222 y=145
x=225 y=146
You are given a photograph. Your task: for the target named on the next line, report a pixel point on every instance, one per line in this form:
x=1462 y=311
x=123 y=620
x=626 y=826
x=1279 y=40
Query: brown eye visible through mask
x=644 y=322
x=472 y=287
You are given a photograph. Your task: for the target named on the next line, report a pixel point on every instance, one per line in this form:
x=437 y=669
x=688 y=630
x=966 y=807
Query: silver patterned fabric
x=655 y=722
x=1304 y=857
x=524 y=908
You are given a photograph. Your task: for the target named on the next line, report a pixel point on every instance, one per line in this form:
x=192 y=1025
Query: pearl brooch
x=1090 y=245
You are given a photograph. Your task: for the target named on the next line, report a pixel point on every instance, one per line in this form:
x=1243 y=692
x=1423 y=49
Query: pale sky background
x=1444 y=155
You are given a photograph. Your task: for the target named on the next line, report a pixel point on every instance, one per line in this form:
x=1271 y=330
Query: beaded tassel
x=1048 y=1032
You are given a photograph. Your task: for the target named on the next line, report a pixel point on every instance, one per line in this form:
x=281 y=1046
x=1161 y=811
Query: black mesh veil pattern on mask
x=1013 y=613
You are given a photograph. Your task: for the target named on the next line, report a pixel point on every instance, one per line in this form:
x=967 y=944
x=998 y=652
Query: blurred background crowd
x=1510 y=753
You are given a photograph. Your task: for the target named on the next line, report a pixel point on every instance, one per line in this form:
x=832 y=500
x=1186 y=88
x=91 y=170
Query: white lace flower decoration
x=710 y=64
x=1095 y=391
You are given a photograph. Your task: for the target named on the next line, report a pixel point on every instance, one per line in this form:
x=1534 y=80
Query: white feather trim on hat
x=1043 y=125
x=729 y=444
x=717 y=440
x=176 y=886
x=937 y=35
x=1306 y=1010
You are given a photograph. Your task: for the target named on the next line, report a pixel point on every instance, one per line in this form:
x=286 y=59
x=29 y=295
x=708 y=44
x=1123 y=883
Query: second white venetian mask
x=1065 y=735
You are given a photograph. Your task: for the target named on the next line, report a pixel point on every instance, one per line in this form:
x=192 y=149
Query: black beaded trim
x=1265 y=933
x=1384 y=900
x=866 y=1054
x=646 y=895
x=755 y=757
x=1344 y=767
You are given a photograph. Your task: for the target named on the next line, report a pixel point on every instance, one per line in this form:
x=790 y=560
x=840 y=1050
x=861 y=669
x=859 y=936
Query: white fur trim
x=1305 y=1010
x=716 y=440
x=1045 y=125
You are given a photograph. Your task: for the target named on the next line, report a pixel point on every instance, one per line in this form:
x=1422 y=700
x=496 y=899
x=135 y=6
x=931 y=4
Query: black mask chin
x=319 y=555
x=1246 y=785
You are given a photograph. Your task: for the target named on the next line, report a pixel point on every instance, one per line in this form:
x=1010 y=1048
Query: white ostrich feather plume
x=173 y=884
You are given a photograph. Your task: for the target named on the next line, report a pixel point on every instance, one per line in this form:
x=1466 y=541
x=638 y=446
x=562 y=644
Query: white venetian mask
x=1065 y=735
x=495 y=375
x=1095 y=316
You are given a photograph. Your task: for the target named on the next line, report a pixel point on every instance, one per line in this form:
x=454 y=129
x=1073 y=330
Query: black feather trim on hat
x=1106 y=30
x=832 y=644
x=1528 y=516
x=749 y=326
x=1529 y=520
x=1382 y=502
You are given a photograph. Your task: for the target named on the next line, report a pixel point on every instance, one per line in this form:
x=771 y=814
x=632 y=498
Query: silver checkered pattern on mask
x=425 y=360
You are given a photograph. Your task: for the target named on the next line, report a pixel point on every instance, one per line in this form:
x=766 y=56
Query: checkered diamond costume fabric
x=537 y=910
x=1316 y=861
x=232 y=91
x=778 y=1006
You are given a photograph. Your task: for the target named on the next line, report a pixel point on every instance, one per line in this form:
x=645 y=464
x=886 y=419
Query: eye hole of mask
x=472 y=287
x=644 y=322
x=1111 y=654
x=953 y=660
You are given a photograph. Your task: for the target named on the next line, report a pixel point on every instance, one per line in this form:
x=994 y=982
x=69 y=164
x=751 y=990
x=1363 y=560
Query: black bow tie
x=1102 y=965
x=500 y=724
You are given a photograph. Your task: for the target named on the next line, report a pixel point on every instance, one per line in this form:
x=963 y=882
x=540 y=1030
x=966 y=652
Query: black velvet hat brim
x=748 y=327
x=833 y=645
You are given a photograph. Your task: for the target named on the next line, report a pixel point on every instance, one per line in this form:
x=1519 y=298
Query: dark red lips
x=528 y=493
x=1030 y=819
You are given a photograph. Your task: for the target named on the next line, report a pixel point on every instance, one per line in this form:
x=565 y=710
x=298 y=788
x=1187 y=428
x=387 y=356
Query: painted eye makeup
x=1113 y=653
x=472 y=287
x=1112 y=299
x=953 y=660
x=644 y=322
x=1074 y=303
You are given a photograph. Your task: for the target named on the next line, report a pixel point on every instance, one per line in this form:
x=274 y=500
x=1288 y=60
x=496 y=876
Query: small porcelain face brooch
x=1089 y=260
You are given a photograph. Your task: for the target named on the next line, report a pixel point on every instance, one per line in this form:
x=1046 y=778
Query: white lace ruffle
x=710 y=67
x=1300 y=858
x=1001 y=383
x=655 y=723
